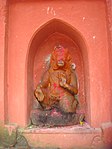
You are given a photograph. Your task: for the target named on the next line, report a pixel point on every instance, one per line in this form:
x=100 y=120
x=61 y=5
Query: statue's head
x=60 y=58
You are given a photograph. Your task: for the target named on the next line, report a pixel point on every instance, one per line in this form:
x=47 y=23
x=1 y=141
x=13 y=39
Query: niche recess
x=42 y=44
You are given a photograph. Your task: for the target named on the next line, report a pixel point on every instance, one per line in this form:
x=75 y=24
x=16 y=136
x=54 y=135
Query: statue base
x=54 y=117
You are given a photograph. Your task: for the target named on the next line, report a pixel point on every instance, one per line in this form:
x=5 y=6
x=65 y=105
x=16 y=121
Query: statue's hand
x=39 y=94
x=62 y=82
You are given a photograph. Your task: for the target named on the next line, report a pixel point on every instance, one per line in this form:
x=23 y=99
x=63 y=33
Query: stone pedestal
x=65 y=137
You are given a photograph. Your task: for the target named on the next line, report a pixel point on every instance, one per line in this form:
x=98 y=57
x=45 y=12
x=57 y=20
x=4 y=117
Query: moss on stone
x=6 y=139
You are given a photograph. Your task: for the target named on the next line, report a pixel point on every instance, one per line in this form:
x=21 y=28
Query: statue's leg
x=68 y=103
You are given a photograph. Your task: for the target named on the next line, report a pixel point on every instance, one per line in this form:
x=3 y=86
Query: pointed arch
x=44 y=31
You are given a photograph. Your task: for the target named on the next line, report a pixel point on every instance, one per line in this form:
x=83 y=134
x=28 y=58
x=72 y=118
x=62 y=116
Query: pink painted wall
x=89 y=18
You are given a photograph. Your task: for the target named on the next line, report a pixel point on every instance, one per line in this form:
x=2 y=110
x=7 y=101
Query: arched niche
x=41 y=45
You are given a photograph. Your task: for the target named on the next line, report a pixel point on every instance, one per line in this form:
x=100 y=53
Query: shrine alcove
x=41 y=46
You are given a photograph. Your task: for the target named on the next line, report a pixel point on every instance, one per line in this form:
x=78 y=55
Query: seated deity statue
x=56 y=92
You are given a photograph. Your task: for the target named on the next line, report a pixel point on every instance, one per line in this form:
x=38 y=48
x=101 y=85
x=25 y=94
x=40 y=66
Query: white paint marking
x=48 y=10
x=83 y=18
x=94 y=37
x=51 y=10
x=54 y=13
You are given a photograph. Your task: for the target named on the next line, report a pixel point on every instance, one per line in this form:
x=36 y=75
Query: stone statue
x=56 y=92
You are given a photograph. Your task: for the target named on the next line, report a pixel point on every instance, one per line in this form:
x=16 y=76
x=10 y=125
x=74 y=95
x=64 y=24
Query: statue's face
x=60 y=58
x=60 y=54
x=60 y=63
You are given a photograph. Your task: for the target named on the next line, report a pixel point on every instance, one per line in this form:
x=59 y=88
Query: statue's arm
x=73 y=83
x=45 y=80
x=39 y=91
x=72 y=87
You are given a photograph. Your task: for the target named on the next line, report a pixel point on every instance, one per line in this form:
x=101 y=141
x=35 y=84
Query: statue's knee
x=66 y=105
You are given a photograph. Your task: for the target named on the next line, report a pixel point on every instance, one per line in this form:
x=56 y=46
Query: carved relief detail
x=96 y=142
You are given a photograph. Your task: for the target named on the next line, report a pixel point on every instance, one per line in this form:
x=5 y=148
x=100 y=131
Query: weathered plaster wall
x=109 y=24
x=89 y=18
x=3 y=21
x=107 y=127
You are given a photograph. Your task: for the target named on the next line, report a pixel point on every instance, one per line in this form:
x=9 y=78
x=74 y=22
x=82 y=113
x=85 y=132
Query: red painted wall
x=89 y=19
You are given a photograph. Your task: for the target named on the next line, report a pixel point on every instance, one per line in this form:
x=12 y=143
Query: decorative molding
x=96 y=142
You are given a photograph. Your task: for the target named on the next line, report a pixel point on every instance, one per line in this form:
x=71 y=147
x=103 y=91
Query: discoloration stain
x=94 y=37
x=83 y=18
x=54 y=13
